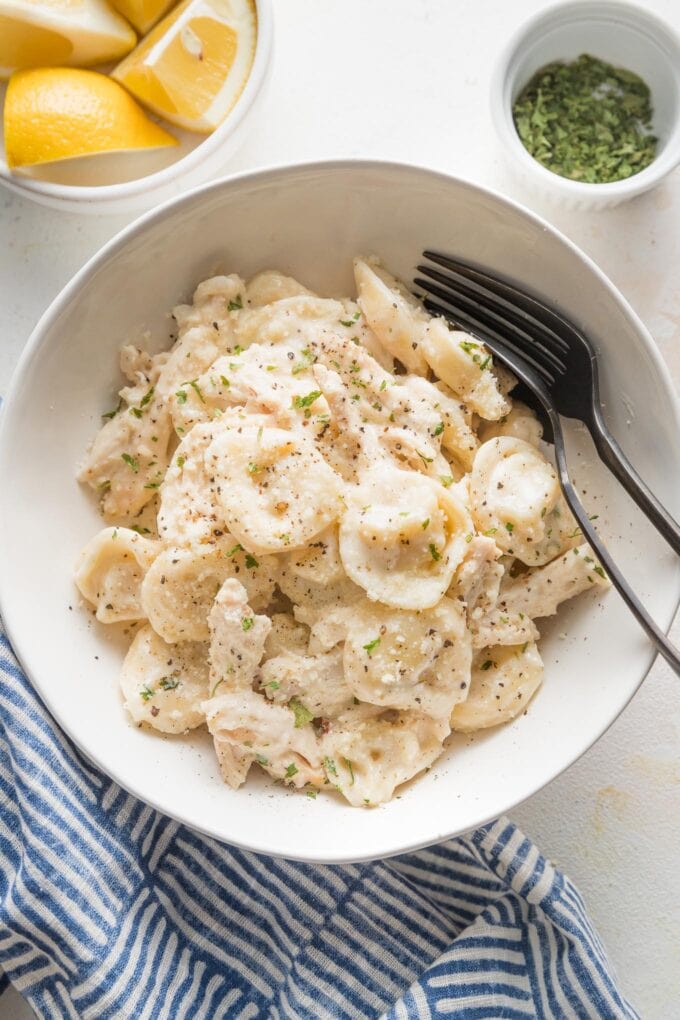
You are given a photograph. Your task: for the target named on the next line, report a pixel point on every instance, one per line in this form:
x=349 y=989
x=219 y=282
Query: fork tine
x=500 y=345
x=563 y=331
x=506 y=321
x=488 y=289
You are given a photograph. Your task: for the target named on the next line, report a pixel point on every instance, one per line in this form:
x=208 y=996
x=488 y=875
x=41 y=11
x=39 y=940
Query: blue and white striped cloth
x=110 y=910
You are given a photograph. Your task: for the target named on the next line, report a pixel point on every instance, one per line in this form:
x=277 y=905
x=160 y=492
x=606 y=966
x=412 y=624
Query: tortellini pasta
x=110 y=572
x=466 y=367
x=332 y=532
x=165 y=685
x=370 y=751
x=515 y=497
x=275 y=489
x=181 y=585
x=394 y=316
x=402 y=537
x=409 y=660
x=504 y=680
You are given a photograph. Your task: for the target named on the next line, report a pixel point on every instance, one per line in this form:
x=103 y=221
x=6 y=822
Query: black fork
x=532 y=341
x=563 y=357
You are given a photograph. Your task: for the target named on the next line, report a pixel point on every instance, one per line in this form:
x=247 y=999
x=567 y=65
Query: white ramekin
x=196 y=163
x=621 y=34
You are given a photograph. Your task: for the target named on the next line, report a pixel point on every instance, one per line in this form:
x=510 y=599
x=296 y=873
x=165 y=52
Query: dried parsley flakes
x=587 y=120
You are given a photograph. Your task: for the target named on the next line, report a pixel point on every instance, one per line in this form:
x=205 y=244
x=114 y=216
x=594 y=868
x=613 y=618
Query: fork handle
x=613 y=456
x=655 y=634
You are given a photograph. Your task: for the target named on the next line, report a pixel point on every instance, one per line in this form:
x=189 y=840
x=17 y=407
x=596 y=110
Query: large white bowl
x=309 y=220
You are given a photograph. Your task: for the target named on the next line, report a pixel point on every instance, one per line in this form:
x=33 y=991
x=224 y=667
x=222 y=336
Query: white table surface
x=409 y=79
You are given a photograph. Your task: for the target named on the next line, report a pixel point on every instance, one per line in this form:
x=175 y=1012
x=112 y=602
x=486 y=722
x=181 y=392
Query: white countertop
x=408 y=80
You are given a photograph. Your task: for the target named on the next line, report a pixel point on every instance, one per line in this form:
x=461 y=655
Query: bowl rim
x=635 y=17
x=116 y=244
x=210 y=143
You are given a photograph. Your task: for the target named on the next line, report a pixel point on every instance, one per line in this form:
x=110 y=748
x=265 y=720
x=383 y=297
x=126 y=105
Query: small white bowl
x=130 y=182
x=619 y=33
x=309 y=221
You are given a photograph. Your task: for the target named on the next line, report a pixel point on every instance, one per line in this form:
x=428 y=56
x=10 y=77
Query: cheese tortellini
x=331 y=532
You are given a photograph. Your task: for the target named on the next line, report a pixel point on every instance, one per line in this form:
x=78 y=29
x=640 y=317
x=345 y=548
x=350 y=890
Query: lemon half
x=60 y=113
x=193 y=66
x=40 y=33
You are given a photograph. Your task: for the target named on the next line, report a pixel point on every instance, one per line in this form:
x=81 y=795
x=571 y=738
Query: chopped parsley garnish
x=302 y=366
x=195 y=387
x=468 y=538
x=168 y=683
x=425 y=524
x=439 y=429
x=446 y=480
x=425 y=460
x=140 y=530
x=329 y=766
x=131 y=462
x=372 y=645
x=434 y=552
x=509 y=527
x=490 y=532
x=251 y=562
x=181 y=396
x=598 y=570
x=348 y=763
x=235 y=304
x=483 y=364
x=146 y=693
x=350 y=322
x=383 y=386
x=311 y=793
x=291 y=771
x=253 y=468
x=302 y=714
x=136 y=411
x=487 y=665
x=237 y=548
x=468 y=346
x=225 y=381
x=301 y=402
x=152 y=485
x=247 y=622
x=181 y=461
x=587 y=120
x=261 y=760
x=273 y=685
x=112 y=414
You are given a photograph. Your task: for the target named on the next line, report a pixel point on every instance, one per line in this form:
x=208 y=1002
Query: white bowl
x=619 y=33
x=309 y=220
x=130 y=182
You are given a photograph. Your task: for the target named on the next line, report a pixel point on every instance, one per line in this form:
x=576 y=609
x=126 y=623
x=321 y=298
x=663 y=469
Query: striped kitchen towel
x=111 y=910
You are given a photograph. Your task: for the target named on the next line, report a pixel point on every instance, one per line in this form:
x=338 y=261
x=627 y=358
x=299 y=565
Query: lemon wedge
x=143 y=14
x=60 y=113
x=193 y=65
x=40 y=33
